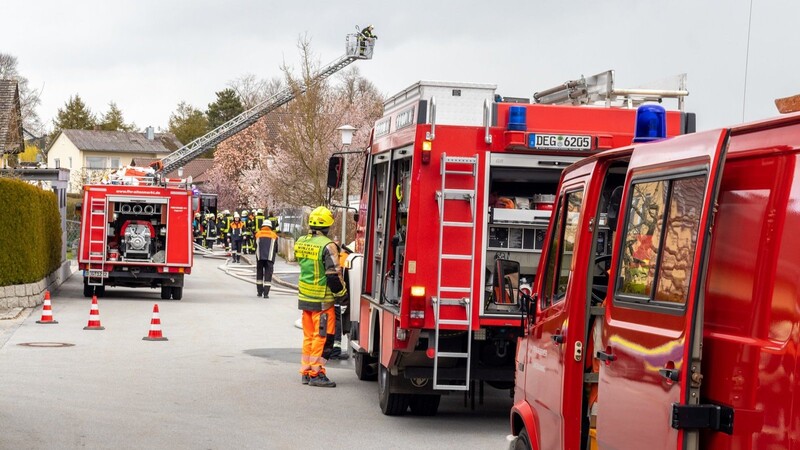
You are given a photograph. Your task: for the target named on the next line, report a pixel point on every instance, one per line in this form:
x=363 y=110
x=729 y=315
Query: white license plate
x=559 y=141
x=96 y=274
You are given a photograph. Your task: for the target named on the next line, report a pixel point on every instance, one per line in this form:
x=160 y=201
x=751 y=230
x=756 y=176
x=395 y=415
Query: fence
x=73 y=235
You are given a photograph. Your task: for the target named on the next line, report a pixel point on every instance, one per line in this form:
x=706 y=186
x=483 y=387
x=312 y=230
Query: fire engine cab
x=666 y=314
x=458 y=190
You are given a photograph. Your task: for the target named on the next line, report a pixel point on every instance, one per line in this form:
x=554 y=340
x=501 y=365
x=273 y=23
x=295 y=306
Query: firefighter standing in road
x=259 y=220
x=274 y=219
x=320 y=286
x=247 y=233
x=211 y=230
x=266 y=248
x=236 y=236
x=197 y=229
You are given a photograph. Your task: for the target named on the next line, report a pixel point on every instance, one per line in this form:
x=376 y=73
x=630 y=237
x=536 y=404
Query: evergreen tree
x=113 y=121
x=224 y=109
x=75 y=116
x=187 y=123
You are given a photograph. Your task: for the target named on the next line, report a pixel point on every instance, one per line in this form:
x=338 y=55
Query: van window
x=562 y=244
x=660 y=239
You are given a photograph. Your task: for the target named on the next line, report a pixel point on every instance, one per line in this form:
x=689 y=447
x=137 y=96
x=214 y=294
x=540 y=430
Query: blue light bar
x=651 y=123
x=517 y=118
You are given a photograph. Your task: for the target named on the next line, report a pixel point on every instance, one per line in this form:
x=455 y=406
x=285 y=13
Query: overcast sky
x=149 y=55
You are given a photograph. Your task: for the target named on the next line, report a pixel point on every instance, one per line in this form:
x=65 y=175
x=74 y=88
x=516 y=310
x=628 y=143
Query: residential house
x=91 y=154
x=11 y=141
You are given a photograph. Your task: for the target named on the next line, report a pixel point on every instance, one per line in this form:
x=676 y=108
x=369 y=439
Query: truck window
x=660 y=238
x=562 y=245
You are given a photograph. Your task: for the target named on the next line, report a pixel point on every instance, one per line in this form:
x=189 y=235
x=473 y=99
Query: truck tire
x=523 y=442
x=166 y=292
x=424 y=405
x=365 y=367
x=100 y=291
x=177 y=292
x=88 y=291
x=391 y=404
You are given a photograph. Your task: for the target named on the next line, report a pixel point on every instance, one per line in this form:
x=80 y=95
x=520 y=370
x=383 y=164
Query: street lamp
x=346 y=132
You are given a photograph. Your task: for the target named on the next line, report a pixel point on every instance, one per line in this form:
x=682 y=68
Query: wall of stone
x=32 y=294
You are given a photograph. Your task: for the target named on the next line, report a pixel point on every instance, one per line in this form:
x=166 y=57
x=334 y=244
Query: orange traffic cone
x=94 y=317
x=155 y=327
x=47 y=312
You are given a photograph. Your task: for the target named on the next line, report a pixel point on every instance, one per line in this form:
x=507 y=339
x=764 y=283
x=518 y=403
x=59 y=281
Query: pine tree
x=113 y=121
x=187 y=123
x=75 y=116
x=224 y=109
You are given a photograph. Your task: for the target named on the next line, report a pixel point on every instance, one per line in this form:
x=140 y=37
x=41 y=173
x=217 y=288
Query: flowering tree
x=280 y=162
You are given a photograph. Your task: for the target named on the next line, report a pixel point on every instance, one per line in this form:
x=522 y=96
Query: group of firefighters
x=231 y=230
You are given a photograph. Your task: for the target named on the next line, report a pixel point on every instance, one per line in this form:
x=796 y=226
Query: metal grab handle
x=487 y=121
x=670 y=374
x=431 y=135
x=607 y=357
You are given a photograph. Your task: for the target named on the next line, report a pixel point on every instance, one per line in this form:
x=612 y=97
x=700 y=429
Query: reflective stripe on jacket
x=266 y=244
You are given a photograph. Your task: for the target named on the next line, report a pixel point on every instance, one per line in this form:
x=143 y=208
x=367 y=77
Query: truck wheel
x=424 y=405
x=87 y=290
x=166 y=292
x=391 y=404
x=523 y=442
x=365 y=367
x=177 y=292
x=100 y=291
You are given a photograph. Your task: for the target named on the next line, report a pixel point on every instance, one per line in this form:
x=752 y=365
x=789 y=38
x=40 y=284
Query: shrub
x=30 y=232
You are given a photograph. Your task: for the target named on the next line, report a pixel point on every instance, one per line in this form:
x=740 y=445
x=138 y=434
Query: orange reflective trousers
x=318 y=334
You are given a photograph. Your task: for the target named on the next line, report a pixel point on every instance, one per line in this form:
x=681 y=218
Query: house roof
x=121 y=141
x=11 y=140
x=196 y=168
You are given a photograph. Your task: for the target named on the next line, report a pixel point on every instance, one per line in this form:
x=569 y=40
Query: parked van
x=666 y=314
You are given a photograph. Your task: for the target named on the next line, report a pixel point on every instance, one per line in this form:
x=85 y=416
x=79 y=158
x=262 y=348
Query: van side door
x=650 y=375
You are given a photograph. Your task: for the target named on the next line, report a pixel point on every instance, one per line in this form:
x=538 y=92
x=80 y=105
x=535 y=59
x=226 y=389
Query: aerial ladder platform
x=356 y=47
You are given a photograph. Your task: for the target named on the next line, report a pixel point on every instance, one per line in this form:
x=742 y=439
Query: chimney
x=149 y=133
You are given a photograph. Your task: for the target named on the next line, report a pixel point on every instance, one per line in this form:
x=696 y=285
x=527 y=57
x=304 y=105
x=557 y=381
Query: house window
x=70 y=162
x=95 y=162
x=114 y=163
x=57 y=162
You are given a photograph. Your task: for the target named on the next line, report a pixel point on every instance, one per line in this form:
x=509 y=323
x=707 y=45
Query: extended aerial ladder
x=357 y=47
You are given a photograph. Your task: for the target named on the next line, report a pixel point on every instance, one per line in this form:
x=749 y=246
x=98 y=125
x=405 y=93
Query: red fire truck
x=135 y=236
x=667 y=315
x=457 y=193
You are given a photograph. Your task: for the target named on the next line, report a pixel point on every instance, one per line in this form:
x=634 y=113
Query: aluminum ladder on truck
x=97 y=247
x=444 y=197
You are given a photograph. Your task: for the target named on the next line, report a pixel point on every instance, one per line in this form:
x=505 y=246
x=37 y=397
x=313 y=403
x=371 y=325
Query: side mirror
x=335 y=168
x=355 y=217
x=78 y=207
x=506 y=282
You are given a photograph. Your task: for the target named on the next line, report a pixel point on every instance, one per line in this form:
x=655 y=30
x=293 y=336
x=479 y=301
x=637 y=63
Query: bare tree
x=29 y=98
x=252 y=90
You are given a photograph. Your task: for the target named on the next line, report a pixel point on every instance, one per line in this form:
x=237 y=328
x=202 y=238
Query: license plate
x=559 y=141
x=96 y=274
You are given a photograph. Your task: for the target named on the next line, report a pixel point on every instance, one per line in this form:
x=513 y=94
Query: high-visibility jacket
x=237 y=228
x=266 y=245
x=226 y=224
x=318 y=258
x=259 y=220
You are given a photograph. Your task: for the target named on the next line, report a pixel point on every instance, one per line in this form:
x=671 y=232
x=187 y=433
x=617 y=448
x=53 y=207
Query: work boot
x=321 y=381
x=305 y=378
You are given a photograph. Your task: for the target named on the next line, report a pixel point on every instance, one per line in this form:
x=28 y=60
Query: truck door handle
x=557 y=338
x=606 y=356
x=669 y=374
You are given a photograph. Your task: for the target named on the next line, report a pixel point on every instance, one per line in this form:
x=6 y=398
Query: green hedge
x=30 y=232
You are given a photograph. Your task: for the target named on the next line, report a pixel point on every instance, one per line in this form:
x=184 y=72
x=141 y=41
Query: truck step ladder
x=446 y=196
x=97 y=246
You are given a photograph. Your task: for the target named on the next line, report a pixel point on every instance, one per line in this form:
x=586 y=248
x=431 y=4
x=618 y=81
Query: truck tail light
x=426 y=151
x=417 y=316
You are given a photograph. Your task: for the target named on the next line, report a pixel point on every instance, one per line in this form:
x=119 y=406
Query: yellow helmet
x=321 y=217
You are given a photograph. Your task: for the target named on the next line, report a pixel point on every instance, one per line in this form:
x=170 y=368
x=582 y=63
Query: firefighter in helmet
x=320 y=287
x=197 y=229
x=236 y=234
x=211 y=230
x=365 y=36
x=266 y=249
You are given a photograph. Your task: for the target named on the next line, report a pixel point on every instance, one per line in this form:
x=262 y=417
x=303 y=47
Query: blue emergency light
x=517 y=118
x=651 y=123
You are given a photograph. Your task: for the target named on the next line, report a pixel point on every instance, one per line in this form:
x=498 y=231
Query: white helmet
x=235 y=215
x=244 y=212
x=259 y=211
x=226 y=212
x=267 y=223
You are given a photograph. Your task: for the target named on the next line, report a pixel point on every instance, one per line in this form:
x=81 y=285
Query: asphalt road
x=226 y=378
